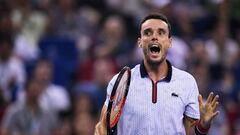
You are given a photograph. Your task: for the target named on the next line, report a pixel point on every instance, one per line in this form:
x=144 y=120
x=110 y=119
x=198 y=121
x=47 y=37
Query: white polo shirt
x=157 y=109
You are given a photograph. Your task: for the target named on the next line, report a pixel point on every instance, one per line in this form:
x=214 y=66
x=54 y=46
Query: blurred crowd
x=57 y=56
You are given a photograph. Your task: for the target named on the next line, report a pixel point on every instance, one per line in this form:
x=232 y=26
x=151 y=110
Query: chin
x=155 y=62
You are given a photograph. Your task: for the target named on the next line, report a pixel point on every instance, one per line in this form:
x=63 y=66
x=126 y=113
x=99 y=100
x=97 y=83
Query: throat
x=157 y=78
x=157 y=72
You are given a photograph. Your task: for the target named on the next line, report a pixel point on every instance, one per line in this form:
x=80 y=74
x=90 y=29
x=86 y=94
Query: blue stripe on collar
x=144 y=73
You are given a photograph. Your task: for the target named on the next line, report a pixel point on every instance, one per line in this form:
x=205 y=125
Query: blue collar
x=144 y=73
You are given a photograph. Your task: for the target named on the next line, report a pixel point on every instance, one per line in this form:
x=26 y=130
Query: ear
x=139 y=43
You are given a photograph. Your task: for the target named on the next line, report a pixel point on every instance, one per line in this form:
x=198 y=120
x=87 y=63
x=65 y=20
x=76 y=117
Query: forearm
x=189 y=125
x=195 y=126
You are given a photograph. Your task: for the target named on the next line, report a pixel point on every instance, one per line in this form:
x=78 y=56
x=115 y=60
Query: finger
x=103 y=131
x=101 y=126
x=215 y=114
x=215 y=100
x=210 y=97
x=200 y=100
x=104 y=116
x=96 y=130
x=215 y=106
x=104 y=119
x=100 y=129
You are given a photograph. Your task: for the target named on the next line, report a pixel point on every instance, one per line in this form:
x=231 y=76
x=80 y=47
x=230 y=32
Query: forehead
x=154 y=24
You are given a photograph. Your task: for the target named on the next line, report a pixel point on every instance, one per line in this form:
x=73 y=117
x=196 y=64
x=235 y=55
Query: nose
x=154 y=36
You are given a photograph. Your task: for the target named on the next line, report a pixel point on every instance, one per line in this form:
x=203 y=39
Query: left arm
x=207 y=114
x=189 y=124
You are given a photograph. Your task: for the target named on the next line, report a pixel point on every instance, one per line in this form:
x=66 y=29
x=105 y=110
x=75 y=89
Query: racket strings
x=119 y=98
x=120 y=90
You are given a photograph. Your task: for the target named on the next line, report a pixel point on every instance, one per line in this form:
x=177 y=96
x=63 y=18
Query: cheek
x=145 y=39
x=166 y=43
x=144 y=49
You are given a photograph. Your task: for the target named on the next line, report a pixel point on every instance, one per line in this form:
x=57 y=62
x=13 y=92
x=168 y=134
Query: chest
x=170 y=99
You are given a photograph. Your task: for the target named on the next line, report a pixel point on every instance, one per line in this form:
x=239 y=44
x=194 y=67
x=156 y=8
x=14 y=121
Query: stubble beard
x=154 y=63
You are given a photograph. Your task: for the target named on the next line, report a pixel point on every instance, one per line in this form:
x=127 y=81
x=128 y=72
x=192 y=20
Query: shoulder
x=136 y=68
x=178 y=74
x=134 y=71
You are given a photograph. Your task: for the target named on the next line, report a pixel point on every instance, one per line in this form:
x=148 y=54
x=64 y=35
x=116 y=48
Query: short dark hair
x=156 y=16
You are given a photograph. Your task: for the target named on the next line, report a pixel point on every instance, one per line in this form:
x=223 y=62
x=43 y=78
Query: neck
x=157 y=72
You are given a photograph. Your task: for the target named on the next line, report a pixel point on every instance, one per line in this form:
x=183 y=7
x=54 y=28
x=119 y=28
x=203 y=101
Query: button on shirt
x=176 y=96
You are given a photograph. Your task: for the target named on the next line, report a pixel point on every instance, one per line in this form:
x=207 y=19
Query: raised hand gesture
x=208 y=109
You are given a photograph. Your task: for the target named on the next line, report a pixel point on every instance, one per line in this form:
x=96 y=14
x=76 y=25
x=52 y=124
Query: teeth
x=154 y=45
x=155 y=48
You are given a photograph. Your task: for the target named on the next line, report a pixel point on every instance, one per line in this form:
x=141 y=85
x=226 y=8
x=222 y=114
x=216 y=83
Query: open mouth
x=155 y=49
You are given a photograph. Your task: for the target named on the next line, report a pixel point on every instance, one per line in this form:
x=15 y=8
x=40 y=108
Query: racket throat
x=154 y=92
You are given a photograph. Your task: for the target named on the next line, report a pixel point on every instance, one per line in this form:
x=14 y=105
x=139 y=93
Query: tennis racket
x=117 y=99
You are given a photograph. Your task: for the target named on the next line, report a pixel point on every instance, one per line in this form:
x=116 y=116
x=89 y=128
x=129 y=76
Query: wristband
x=198 y=132
x=201 y=129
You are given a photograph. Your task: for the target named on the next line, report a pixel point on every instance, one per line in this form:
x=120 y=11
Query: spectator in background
x=138 y=8
x=85 y=114
x=102 y=70
x=221 y=48
x=178 y=54
x=5 y=19
x=89 y=96
x=88 y=30
x=29 y=24
x=12 y=73
x=84 y=124
x=65 y=18
x=110 y=46
x=198 y=65
x=54 y=97
x=113 y=42
x=28 y=118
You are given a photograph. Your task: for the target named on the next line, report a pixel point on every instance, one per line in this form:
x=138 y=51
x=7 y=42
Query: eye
x=162 y=32
x=147 y=32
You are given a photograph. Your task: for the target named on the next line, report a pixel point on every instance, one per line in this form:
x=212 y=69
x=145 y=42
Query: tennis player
x=162 y=100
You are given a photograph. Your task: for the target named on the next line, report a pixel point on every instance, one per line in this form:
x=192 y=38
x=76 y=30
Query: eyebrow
x=162 y=29
x=150 y=29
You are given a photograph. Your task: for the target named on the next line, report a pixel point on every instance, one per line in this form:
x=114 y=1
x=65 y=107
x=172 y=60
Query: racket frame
x=111 y=127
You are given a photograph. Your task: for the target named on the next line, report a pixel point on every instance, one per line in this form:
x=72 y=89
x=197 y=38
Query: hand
x=101 y=127
x=208 y=109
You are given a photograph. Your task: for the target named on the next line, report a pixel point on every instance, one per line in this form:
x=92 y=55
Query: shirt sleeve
x=192 y=107
x=109 y=89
